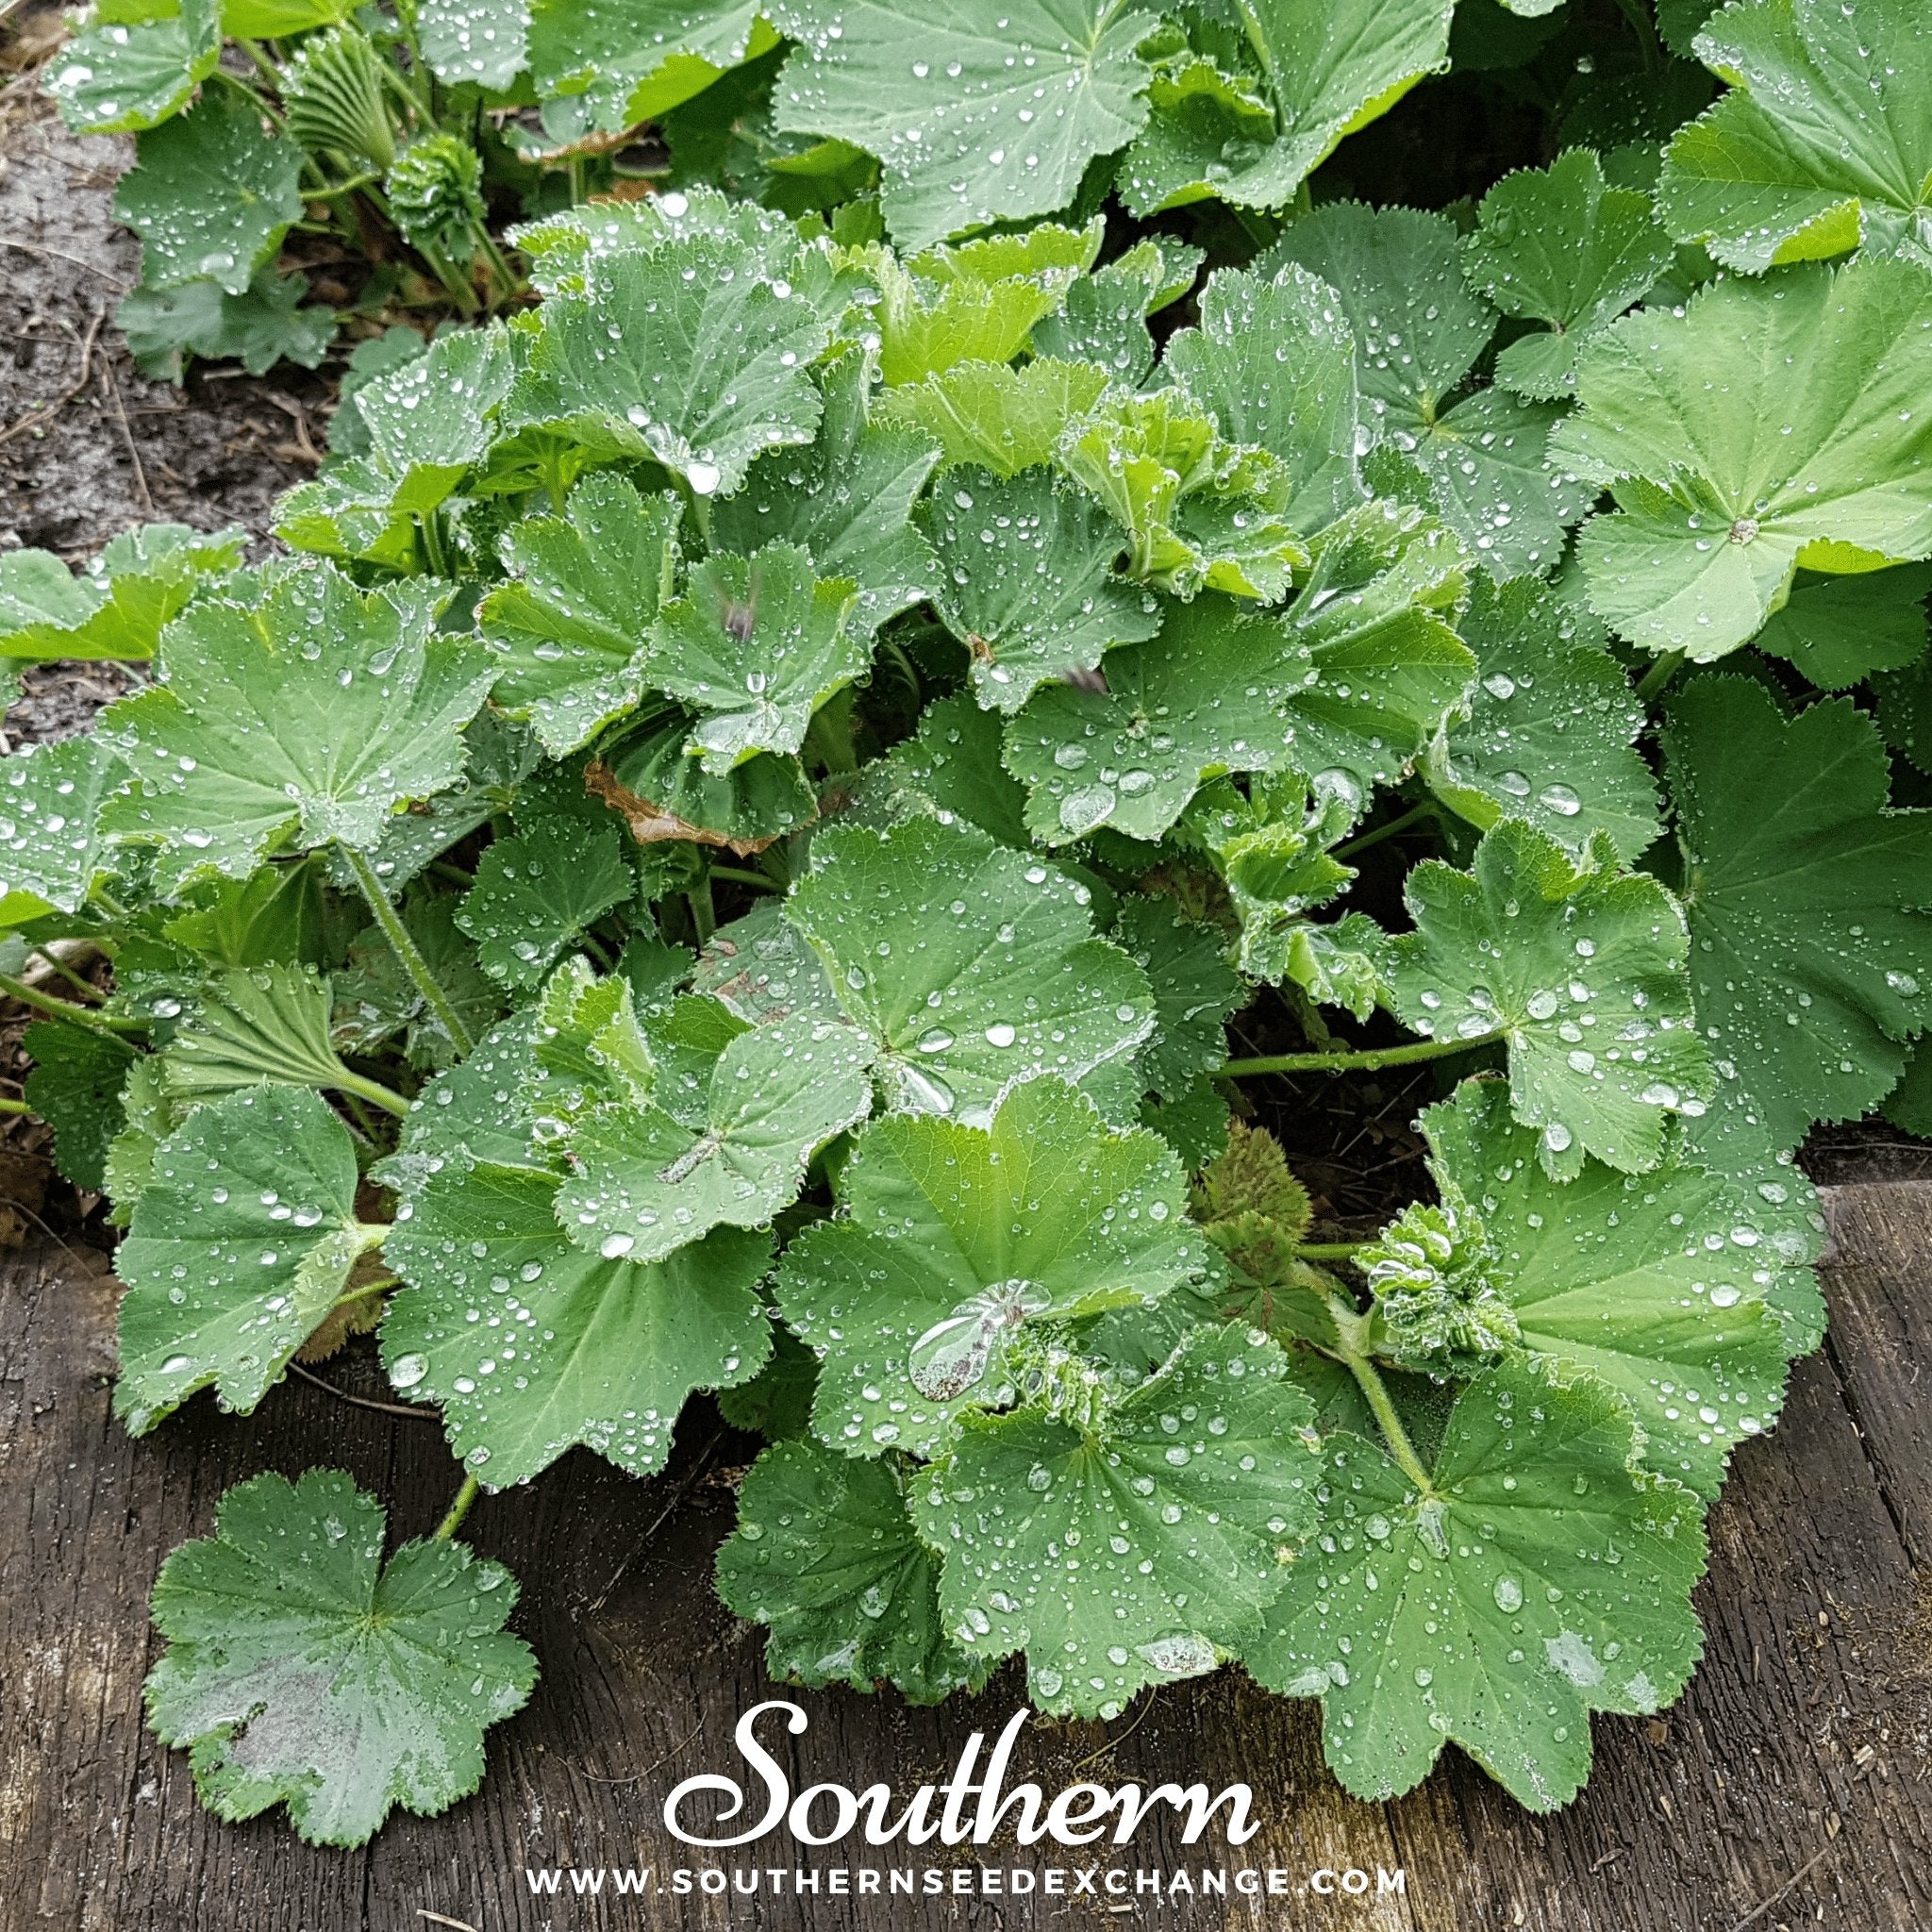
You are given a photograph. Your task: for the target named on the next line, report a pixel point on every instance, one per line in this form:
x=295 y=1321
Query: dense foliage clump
x=724 y=850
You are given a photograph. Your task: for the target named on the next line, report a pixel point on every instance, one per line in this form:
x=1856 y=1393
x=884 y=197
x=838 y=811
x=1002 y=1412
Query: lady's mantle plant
x=725 y=859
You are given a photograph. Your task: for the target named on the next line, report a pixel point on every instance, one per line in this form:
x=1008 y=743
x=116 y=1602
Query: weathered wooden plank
x=1690 y=1824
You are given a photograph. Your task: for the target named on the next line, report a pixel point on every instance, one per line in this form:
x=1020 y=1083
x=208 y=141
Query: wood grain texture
x=1803 y=1746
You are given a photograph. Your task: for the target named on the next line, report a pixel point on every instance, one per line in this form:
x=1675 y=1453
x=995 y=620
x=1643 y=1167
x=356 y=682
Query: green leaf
x=847 y=500
x=1839 y=630
x=646 y=1183
x=1488 y=479
x=165 y=327
x=777 y=1402
x=1272 y=847
x=376 y=998
x=1210 y=133
x=588 y=1048
x=1581 y=970
x=240 y=1247
x=1350 y=687
x=949 y=104
x=760 y=968
x=430 y=421
x=267 y=1025
x=1195 y=991
x=1274 y=363
x=1005 y=420
x=569 y=1349
x=1649 y=1284
x=1032 y=1509
x=1419 y=329
x=721 y=373
x=622 y=64
x=825 y=1554
x=1824 y=143
x=1211 y=694
x=281 y=915
x=1105 y=318
x=956 y=1245
x=115 y=78
x=971 y=967
x=1557 y=245
x=1331 y=65
x=301 y=1670
x=118 y=607
x=50 y=837
x=476 y=1112
x=664 y=795
x=1902 y=707
x=533 y=896
x=147 y=1117
x=1539 y=1576
x=309 y=718
x=1729 y=475
x=1025 y=581
x=76 y=1088
x=572 y=628
x=1397 y=277
x=1201 y=512
x=268 y=19
x=953 y=762
x=210 y=195
x=1806 y=898
x=1436 y=1311
x=481 y=41
x=755 y=647
x=1552 y=727
x=977 y=304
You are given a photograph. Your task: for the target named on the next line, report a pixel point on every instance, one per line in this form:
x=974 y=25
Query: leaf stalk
x=405 y=949
x=1358 y=1061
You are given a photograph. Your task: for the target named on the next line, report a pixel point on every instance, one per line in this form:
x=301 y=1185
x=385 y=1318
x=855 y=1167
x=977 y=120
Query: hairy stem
x=739 y=875
x=457 y=1510
x=1428 y=808
x=1352 y=1350
x=405 y=948
x=1362 y=1061
x=381 y=1285
x=90 y=992
x=14 y=1107
x=373 y=1091
x=67 y=1010
x=1658 y=675
x=1328 y=1251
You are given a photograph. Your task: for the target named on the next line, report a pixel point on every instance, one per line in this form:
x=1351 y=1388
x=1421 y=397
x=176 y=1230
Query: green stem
x=1428 y=808
x=89 y=993
x=432 y=542
x=373 y=1091
x=381 y=1285
x=405 y=948
x=264 y=65
x=1328 y=1251
x=828 y=737
x=66 y=1009
x=499 y=261
x=1358 y=1062
x=703 y=917
x=14 y=1107
x=457 y=1510
x=739 y=875
x=1658 y=675
x=1352 y=1331
x=254 y=96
